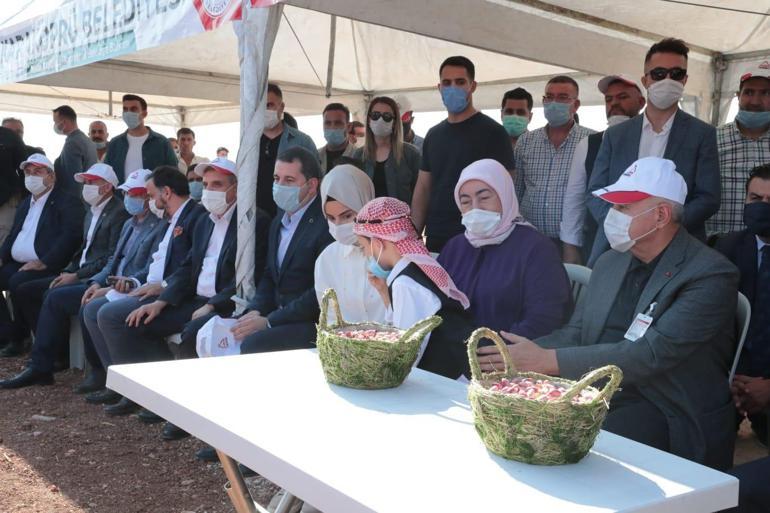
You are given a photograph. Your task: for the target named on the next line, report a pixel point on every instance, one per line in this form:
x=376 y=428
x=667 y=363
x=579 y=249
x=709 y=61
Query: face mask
x=480 y=222
x=158 y=212
x=665 y=93
x=215 y=202
x=343 y=233
x=134 y=204
x=616 y=227
x=58 y=129
x=455 y=99
x=376 y=269
x=286 y=197
x=131 y=119
x=335 y=136
x=91 y=194
x=100 y=145
x=196 y=190
x=616 y=120
x=360 y=142
x=515 y=125
x=557 y=114
x=380 y=127
x=271 y=119
x=756 y=217
x=751 y=119
x=35 y=185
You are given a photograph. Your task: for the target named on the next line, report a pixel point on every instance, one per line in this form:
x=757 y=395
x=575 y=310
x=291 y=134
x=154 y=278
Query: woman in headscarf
x=512 y=273
x=414 y=285
x=342 y=265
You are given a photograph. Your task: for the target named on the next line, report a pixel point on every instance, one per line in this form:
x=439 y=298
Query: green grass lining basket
x=366 y=364
x=540 y=433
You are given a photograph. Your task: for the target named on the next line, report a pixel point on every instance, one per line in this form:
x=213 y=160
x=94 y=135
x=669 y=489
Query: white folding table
x=407 y=449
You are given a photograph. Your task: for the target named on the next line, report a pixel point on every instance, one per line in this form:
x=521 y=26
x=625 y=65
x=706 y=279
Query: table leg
x=236 y=486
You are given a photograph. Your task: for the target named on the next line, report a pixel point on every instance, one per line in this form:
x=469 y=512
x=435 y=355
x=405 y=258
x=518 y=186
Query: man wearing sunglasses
x=663 y=130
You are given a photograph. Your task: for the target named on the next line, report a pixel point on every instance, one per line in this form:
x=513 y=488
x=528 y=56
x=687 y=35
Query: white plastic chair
x=579 y=277
x=743 y=316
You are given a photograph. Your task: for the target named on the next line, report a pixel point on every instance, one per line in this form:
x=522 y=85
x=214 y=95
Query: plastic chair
x=743 y=316
x=579 y=276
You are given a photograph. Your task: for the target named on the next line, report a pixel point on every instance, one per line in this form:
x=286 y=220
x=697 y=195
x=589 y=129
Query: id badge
x=640 y=325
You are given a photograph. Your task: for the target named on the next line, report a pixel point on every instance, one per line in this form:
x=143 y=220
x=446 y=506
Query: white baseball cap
x=646 y=178
x=761 y=70
x=605 y=82
x=37 y=158
x=136 y=181
x=99 y=170
x=219 y=163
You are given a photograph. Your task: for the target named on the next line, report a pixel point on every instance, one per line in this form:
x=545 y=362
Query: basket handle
x=615 y=374
x=422 y=328
x=473 y=344
x=330 y=296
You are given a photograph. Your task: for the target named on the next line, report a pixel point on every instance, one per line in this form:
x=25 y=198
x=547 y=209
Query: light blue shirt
x=288 y=227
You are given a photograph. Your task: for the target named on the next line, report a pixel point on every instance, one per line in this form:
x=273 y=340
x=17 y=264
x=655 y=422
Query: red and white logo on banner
x=214 y=13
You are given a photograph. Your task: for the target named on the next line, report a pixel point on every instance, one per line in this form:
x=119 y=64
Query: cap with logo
x=605 y=82
x=37 y=158
x=646 y=178
x=219 y=163
x=761 y=70
x=98 y=170
x=136 y=181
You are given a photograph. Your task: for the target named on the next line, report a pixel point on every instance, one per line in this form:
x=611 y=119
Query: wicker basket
x=366 y=364
x=540 y=433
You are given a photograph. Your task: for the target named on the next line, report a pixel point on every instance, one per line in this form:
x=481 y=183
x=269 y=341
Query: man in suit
x=749 y=250
x=78 y=153
x=60 y=296
x=285 y=310
x=663 y=130
x=46 y=233
x=663 y=313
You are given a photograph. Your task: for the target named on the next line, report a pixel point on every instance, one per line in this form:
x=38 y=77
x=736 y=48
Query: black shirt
x=380 y=184
x=447 y=150
x=332 y=157
x=268 y=153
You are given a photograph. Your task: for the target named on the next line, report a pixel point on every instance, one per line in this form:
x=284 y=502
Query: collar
x=42 y=198
x=400 y=266
x=736 y=129
x=760 y=244
x=646 y=125
x=98 y=209
x=287 y=219
x=224 y=217
x=136 y=223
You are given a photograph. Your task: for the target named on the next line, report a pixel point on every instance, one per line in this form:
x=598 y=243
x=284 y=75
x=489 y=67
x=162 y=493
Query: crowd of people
x=135 y=237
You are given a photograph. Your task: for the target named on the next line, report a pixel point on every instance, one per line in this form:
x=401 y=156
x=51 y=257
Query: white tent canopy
x=349 y=51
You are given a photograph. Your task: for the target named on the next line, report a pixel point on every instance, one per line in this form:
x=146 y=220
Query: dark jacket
x=401 y=177
x=156 y=151
x=59 y=232
x=12 y=154
x=741 y=249
x=104 y=239
x=287 y=295
x=134 y=261
x=77 y=155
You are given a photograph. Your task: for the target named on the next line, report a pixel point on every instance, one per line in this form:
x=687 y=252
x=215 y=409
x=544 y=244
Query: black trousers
x=12 y=280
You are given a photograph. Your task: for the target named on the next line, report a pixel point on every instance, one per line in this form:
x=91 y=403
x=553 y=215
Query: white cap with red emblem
x=136 y=181
x=99 y=170
x=219 y=163
x=645 y=178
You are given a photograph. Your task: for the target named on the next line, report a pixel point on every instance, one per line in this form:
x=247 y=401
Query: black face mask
x=756 y=216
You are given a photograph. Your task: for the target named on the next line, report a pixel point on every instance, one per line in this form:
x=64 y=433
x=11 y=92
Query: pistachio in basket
x=541 y=390
x=379 y=335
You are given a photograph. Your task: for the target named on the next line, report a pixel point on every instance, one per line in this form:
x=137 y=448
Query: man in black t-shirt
x=464 y=137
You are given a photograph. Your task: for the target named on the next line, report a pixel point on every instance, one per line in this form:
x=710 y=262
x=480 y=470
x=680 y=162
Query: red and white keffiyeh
x=390 y=219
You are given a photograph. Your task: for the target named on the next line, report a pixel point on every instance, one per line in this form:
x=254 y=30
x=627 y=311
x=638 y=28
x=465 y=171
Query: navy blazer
x=59 y=232
x=134 y=261
x=692 y=145
x=741 y=249
x=287 y=294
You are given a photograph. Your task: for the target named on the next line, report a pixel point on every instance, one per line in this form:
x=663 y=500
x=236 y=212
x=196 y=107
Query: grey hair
x=677 y=211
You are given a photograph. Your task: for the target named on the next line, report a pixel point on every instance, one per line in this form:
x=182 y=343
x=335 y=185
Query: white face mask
x=480 y=222
x=343 y=233
x=380 y=127
x=665 y=93
x=35 y=184
x=616 y=120
x=91 y=194
x=616 y=229
x=215 y=201
x=271 y=119
x=158 y=212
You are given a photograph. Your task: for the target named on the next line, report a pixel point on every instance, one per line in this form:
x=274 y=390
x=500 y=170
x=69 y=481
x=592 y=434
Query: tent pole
x=109 y=103
x=719 y=64
x=332 y=46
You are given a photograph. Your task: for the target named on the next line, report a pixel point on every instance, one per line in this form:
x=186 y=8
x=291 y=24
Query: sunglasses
x=386 y=116
x=677 y=74
x=380 y=221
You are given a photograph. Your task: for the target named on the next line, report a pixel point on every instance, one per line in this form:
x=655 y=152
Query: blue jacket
x=59 y=231
x=136 y=260
x=156 y=151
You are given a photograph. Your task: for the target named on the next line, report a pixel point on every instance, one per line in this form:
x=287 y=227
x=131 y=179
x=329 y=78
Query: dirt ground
x=59 y=454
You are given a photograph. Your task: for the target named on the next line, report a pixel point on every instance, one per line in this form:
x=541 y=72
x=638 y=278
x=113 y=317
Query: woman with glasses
x=391 y=163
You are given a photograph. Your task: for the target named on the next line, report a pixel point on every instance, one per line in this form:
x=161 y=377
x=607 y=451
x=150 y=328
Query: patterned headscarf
x=390 y=219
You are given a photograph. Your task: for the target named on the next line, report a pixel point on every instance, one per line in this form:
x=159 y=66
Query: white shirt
x=96 y=213
x=155 y=272
x=23 y=249
x=343 y=268
x=183 y=165
x=134 y=155
x=207 y=279
x=574 y=210
x=651 y=143
x=760 y=244
x=288 y=227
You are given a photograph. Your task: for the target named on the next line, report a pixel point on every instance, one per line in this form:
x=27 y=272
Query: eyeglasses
x=677 y=74
x=386 y=116
x=380 y=221
x=559 y=98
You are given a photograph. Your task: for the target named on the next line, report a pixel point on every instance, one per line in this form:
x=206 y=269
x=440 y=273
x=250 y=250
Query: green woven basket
x=540 y=433
x=366 y=364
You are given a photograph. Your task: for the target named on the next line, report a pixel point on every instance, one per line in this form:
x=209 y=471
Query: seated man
x=284 y=311
x=46 y=233
x=60 y=296
x=749 y=250
x=663 y=314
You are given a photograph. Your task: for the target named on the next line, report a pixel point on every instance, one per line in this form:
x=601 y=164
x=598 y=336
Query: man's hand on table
x=526 y=355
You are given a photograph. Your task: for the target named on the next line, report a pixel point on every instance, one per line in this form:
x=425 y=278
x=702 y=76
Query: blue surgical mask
x=751 y=119
x=376 y=269
x=134 y=204
x=196 y=190
x=557 y=114
x=131 y=119
x=286 y=197
x=455 y=99
x=335 y=136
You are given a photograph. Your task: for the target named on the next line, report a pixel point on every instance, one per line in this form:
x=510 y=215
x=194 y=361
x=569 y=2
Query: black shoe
x=207 y=454
x=171 y=432
x=27 y=378
x=246 y=471
x=123 y=407
x=149 y=417
x=94 y=382
x=103 y=396
x=12 y=349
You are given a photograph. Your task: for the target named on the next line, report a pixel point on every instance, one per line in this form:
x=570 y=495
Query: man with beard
x=97 y=132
